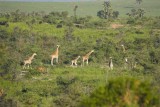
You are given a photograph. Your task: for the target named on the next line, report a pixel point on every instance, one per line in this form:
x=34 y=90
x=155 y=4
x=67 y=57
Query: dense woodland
x=131 y=84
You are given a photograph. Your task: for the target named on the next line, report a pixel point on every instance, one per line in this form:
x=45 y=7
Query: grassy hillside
x=62 y=85
x=152 y=7
x=136 y=66
x=66 y=86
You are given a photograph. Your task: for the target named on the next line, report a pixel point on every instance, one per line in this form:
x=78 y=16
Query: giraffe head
x=126 y=60
x=34 y=54
x=92 y=51
x=110 y=57
x=122 y=45
x=58 y=46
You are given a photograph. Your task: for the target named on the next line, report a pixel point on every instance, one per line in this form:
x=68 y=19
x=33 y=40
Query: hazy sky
x=48 y=0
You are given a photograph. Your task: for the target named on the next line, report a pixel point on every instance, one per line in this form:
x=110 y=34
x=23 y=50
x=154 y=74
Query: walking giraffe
x=124 y=50
x=74 y=61
x=125 y=57
x=86 y=57
x=28 y=61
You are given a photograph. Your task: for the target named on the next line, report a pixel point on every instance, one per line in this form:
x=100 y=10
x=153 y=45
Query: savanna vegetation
x=131 y=84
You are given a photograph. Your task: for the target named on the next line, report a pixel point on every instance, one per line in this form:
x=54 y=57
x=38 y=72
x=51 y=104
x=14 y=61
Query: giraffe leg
x=76 y=63
x=87 y=61
x=52 y=61
x=57 y=60
x=83 y=62
x=30 y=66
x=72 y=63
x=24 y=66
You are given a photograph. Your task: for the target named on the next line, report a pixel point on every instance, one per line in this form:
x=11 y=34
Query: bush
x=3 y=21
x=123 y=92
x=131 y=21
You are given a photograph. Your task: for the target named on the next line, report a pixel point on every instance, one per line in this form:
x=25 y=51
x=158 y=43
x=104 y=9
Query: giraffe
x=126 y=63
x=125 y=56
x=55 y=55
x=86 y=57
x=130 y=63
x=110 y=63
x=124 y=50
x=28 y=61
x=1 y=92
x=135 y=65
x=74 y=61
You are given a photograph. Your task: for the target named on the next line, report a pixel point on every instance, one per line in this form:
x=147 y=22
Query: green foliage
x=107 y=12
x=139 y=1
x=131 y=21
x=3 y=21
x=115 y=14
x=100 y=14
x=139 y=13
x=54 y=17
x=63 y=85
x=156 y=23
x=125 y=92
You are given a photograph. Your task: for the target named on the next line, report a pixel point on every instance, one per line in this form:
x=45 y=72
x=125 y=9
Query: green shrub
x=3 y=21
x=123 y=92
x=131 y=21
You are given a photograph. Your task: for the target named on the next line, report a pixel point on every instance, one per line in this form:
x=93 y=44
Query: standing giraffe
x=55 y=55
x=28 y=61
x=110 y=63
x=130 y=63
x=74 y=61
x=124 y=50
x=126 y=63
x=125 y=58
x=86 y=57
x=135 y=65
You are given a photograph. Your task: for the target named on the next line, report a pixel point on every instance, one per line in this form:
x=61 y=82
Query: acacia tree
x=115 y=14
x=106 y=9
x=75 y=11
x=136 y=13
x=69 y=31
x=107 y=12
x=140 y=13
x=100 y=14
x=64 y=14
x=139 y=1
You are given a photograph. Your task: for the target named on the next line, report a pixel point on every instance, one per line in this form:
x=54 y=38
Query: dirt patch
x=138 y=27
x=115 y=26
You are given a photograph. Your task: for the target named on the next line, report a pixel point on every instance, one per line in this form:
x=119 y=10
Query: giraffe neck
x=31 y=57
x=87 y=55
x=111 y=61
x=57 y=51
x=77 y=58
x=124 y=49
